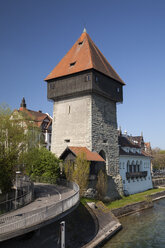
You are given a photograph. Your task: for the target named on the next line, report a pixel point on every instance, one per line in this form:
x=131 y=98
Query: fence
x=24 y=193
x=14 y=223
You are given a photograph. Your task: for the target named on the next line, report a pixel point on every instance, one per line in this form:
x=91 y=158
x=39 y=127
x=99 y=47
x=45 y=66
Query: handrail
x=10 y=224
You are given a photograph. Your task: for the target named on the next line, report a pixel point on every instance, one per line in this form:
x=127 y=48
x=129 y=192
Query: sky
x=36 y=34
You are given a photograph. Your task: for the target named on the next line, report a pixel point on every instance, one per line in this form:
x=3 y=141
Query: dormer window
x=80 y=43
x=73 y=63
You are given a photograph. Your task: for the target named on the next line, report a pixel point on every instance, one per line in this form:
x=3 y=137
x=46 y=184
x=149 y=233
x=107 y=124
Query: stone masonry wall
x=104 y=131
x=105 y=137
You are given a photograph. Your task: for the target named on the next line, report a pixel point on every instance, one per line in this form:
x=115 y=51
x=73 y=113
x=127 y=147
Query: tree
x=101 y=185
x=43 y=164
x=158 y=158
x=12 y=143
x=78 y=172
x=15 y=139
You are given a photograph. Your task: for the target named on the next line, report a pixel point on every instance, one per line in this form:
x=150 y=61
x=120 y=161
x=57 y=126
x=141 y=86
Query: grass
x=126 y=200
x=132 y=198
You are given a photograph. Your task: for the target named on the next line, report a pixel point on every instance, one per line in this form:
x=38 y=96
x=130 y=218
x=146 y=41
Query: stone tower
x=85 y=90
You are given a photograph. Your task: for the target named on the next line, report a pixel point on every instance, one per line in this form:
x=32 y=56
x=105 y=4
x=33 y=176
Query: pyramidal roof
x=83 y=55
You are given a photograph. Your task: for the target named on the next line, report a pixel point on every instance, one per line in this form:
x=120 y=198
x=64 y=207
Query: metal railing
x=136 y=174
x=25 y=220
x=25 y=194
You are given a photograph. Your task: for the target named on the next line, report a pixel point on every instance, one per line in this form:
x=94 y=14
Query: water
x=145 y=229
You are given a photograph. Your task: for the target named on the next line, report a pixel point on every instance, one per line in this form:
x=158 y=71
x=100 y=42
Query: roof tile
x=82 y=56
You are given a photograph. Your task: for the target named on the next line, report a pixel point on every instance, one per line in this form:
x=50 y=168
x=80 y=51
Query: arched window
x=128 y=164
x=133 y=166
x=137 y=166
x=103 y=155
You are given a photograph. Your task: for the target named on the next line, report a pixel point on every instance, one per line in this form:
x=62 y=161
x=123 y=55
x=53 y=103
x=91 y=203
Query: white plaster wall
x=140 y=184
x=71 y=121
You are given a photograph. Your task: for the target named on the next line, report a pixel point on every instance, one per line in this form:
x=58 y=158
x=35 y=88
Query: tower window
x=67 y=140
x=73 y=63
x=87 y=78
x=69 y=109
x=105 y=141
x=96 y=79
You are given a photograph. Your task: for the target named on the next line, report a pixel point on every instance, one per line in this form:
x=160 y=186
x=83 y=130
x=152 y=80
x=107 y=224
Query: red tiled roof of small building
x=84 y=55
x=90 y=156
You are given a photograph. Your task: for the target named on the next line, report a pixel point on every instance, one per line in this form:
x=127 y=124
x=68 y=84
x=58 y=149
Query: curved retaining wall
x=29 y=220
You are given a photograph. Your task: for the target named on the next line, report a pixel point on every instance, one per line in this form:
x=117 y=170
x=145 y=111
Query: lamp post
x=62 y=224
x=16 y=191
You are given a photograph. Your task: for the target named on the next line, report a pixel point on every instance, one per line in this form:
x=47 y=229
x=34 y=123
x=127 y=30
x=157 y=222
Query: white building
x=35 y=120
x=134 y=165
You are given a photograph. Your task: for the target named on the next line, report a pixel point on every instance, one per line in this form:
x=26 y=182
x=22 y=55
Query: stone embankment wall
x=158 y=181
x=131 y=208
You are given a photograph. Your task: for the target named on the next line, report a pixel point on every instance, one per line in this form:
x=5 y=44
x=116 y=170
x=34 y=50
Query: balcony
x=136 y=174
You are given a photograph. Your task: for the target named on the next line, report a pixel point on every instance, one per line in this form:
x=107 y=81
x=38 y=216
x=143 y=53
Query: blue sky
x=36 y=34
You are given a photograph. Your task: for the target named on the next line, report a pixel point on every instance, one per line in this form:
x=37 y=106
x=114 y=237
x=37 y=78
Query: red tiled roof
x=90 y=156
x=36 y=116
x=82 y=56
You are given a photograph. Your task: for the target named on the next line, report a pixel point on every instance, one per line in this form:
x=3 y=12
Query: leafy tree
x=12 y=143
x=78 y=172
x=101 y=185
x=15 y=139
x=41 y=163
x=158 y=158
x=68 y=169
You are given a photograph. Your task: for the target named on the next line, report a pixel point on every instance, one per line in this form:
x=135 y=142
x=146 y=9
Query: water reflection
x=145 y=229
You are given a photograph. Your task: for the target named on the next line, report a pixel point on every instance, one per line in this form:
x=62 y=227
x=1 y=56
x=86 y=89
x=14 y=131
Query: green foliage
x=143 y=196
x=41 y=163
x=158 y=158
x=78 y=172
x=68 y=169
x=101 y=185
x=12 y=143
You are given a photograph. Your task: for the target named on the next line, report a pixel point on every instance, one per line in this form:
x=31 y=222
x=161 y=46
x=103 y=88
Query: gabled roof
x=84 y=55
x=36 y=116
x=125 y=142
x=90 y=156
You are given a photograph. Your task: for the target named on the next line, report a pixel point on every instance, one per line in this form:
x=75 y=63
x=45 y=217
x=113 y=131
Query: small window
x=80 y=43
x=105 y=141
x=118 y=90
x=69 y=110
x=123 y=181
x=87 y=78
x=96 y=79
x=67 y=140
x=73 y=63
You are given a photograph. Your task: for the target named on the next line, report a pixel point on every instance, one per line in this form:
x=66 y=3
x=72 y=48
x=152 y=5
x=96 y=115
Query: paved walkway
x=45 y=195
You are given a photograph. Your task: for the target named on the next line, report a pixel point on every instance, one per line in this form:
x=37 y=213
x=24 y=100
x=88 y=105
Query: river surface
x=145 y=229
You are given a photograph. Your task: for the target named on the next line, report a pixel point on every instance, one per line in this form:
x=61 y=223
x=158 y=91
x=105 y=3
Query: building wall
x=71 y=122
x=137 y=184
x=104 y=132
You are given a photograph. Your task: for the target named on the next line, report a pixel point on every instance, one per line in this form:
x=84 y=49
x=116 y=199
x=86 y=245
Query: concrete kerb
x=104 y=232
